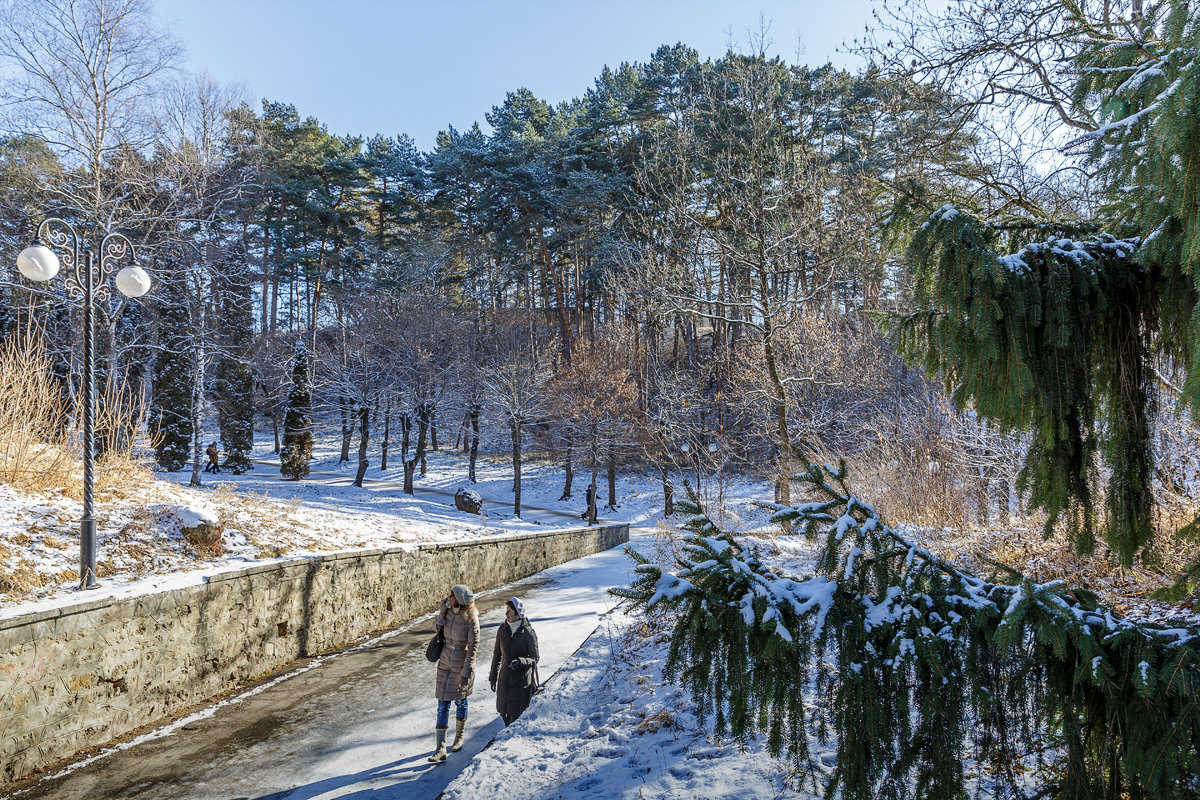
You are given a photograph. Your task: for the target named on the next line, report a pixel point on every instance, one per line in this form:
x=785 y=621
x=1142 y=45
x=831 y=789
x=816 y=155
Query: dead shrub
x=40 y=440
x=36 y=452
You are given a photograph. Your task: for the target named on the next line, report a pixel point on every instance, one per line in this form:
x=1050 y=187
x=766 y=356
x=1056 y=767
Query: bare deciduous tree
x=595 y=399
x=514 y=380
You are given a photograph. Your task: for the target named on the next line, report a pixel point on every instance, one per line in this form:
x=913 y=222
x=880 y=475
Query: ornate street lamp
x=40 y=263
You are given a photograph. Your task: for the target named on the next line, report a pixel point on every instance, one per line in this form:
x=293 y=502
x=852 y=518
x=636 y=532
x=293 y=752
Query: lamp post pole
x=40 y=263
x=87 y=525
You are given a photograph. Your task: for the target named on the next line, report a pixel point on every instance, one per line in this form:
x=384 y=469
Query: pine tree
x=234 y=384
x=171 y=381
x=297 y=423
x=1147 y=73
x=1051 y=327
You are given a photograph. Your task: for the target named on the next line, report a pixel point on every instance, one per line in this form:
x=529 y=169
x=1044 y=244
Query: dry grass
x=36 y=452
x=41 y=453
x=19 y=577
x=40 y=441
x=939 y=504
x=920 y=485
x=269 y=525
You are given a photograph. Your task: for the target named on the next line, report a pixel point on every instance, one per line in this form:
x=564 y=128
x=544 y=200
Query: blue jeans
x=443 y=715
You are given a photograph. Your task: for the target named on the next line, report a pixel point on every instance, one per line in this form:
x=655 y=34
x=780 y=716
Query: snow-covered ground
x=610 y=726
x=141 y=547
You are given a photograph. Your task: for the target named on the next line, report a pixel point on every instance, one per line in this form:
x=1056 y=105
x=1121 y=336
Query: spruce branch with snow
x=915 y=666
x=1055 y=338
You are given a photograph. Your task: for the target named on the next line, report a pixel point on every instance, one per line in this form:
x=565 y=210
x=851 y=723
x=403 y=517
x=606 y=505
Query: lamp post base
x=87 y=554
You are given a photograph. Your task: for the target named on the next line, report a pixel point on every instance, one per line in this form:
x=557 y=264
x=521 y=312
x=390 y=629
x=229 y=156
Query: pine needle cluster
x=926 y=677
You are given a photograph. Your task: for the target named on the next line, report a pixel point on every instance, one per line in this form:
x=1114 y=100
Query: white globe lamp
x=38 y=263
x=133 y=281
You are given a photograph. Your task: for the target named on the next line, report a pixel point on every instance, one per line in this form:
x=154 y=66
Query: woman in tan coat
x=459 y=619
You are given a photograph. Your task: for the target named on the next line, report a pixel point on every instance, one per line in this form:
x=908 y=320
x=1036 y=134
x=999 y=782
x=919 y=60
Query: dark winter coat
x=458 y=656
x=514 y=687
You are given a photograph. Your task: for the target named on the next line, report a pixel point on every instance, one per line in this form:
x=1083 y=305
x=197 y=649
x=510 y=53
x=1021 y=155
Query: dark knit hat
x=462 y=594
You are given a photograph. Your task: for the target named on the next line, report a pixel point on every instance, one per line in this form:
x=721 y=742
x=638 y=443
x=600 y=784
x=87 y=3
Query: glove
x=493 y=682
x=516 y=664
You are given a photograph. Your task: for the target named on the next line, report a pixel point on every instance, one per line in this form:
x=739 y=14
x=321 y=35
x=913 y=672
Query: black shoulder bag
x=433 y=650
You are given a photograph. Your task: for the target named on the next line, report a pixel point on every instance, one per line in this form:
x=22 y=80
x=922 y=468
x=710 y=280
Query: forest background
x=684 y=267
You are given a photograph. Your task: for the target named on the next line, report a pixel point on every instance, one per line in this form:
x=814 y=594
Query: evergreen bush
x=917 y=668
x=171 y=382
x=297 y=421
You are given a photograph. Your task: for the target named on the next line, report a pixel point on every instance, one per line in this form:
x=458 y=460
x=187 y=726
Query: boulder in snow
x=201 y=529
x=468 y=500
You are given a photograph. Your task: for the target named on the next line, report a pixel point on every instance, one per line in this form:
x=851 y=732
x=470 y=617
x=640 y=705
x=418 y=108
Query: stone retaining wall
x=81 y=675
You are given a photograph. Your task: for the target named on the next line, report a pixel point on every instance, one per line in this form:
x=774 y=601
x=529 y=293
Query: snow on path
x=610 y=728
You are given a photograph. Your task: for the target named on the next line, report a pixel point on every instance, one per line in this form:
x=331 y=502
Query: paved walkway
x=358 y=724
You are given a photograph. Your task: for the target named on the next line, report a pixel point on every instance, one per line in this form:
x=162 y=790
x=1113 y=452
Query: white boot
x=459 y=726
x=439 y=755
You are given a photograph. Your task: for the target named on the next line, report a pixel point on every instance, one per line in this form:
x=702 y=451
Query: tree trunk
x=982 y=515
x=612 y=480
x=433 y=443
x=405 y=430
x=364 y=423
x=515 y=428
x=387 y=434
x=592 y=490
x=410 y=466
x=569 y=468
x=197 y=409
x=347 y=420
x=474 y=413
x=668 y=492
x=1002 y=498
x=422 y=434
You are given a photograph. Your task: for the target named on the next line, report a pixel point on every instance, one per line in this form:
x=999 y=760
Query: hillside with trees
x=968 y=271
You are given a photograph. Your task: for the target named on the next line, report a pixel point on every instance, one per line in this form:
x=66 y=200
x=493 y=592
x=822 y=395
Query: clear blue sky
x=415 y=67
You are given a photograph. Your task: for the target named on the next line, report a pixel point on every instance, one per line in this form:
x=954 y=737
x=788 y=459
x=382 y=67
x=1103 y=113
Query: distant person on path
x=459 y=619
x=591 y=502
x=514 y=662
x=214 y=459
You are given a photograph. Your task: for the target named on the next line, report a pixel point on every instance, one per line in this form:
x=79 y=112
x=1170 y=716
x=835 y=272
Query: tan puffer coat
x=458 y=656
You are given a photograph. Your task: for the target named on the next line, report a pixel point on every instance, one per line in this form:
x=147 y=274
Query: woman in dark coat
x=513 y=661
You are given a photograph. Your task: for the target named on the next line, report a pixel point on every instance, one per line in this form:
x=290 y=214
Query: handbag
x=433 y=650
x=537 y=683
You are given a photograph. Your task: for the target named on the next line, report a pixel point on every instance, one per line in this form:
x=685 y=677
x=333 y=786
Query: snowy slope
x=141 y=547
